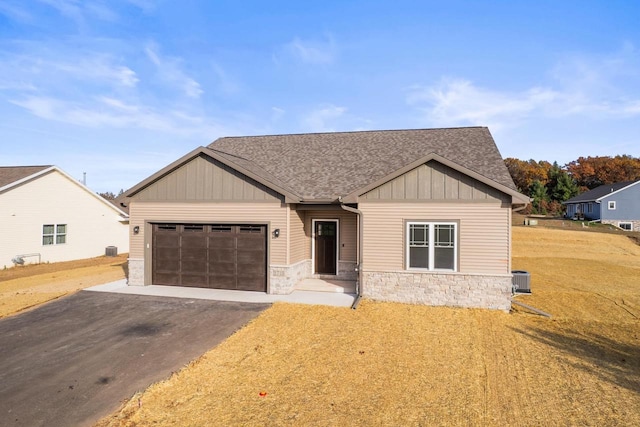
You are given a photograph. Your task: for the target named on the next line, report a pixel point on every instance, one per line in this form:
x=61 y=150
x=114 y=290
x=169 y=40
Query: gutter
x=360 y=251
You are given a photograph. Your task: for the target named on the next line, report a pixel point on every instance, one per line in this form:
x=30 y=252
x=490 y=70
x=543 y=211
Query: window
x=590 y=207
x=627 y=226
x=54 y=234
x=431 y=246
x=612 y=206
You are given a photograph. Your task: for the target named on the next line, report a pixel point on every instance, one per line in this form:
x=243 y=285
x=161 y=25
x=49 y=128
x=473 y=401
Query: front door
x=326 y=246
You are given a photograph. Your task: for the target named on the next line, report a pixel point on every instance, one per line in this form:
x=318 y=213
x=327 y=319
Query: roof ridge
x=351 y=132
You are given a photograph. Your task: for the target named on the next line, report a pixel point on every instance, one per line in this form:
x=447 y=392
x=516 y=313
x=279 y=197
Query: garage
x=218 y=256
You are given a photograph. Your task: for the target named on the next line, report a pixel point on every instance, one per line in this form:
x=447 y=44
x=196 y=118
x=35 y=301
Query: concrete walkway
x=336 y=299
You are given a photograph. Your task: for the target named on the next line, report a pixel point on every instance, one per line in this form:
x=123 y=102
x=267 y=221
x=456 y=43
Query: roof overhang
x=289 y=196
x=517 y=198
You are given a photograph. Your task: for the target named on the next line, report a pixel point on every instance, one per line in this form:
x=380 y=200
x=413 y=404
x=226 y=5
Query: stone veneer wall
x=136 y=272
x=635 y=224
x=283 y=278
x=449 y=289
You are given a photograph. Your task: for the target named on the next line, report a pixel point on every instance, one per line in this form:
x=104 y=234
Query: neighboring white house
x=48 y=215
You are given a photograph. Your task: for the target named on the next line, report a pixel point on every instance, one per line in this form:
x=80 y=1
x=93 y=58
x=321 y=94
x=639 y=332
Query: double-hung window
x=432 y=246
x=54 y=234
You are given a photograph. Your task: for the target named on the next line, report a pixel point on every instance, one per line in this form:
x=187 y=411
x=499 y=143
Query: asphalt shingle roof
x=11 y=174
x=325 y=165
x=598 y=192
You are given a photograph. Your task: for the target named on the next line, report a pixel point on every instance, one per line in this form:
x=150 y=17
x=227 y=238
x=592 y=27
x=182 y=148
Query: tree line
x=550 y=184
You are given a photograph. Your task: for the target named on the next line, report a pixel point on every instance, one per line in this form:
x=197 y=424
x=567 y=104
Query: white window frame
x=611 y=205
x=630 y=224
x=55 y=235
x=431 y=246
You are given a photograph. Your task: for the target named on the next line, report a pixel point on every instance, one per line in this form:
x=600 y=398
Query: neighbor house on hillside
x=617 y=204
x=48 y=216
x=420 y=216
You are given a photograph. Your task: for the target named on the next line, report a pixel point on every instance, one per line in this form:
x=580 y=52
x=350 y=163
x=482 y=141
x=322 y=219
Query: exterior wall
x=92 y=224
x=142 y=213
x=434 y=181
x=483 y=234
x=348 y=246
x=483 y=278
x=627 y=204
x=455 y=290
x=205 y=179
x=635 y=225
x=586 y=210
x=300 y=241
x=284 y=277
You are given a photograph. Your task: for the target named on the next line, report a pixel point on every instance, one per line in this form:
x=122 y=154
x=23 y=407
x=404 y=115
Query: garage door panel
x=227 y=241
x=195 y=280
x=215 y=256
x=167 y=240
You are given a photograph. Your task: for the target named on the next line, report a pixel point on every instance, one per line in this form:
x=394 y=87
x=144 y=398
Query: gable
x=205 y=179
x=435 y=181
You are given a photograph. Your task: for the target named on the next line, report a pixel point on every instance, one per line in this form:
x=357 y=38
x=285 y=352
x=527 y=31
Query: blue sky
x=119 y=89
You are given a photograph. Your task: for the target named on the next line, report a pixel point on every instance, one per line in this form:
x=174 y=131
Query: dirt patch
x=31 y=285
x=395 y=364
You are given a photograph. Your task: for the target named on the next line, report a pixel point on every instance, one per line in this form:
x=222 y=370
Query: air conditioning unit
x=111 y=251
x=521 y=282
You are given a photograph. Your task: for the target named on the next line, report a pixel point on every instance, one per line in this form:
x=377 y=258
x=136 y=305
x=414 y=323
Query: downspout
x=360 y=251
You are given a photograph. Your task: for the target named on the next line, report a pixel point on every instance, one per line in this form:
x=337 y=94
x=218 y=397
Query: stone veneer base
x=283 y=278
x=136 y=272
x=635 y=225
x=455 y=290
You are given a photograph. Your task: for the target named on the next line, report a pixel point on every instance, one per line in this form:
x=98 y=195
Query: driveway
x=73 y=361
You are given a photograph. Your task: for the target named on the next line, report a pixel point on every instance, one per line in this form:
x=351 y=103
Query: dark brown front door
x=210 y=256
x=326 y=235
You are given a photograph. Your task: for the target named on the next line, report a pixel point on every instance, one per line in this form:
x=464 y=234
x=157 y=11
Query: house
x=617 y=204
x=419 y=216
x=47 y=216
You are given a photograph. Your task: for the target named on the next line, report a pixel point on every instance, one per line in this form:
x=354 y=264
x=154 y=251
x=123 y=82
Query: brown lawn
x=26 y=286
x=394 y=364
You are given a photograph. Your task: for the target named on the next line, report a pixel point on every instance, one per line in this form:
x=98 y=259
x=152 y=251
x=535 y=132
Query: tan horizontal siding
x=300 y=241
x=258 y=213
x=484 y=234
x=348 y=231
x=205 y=179
x=434 y=181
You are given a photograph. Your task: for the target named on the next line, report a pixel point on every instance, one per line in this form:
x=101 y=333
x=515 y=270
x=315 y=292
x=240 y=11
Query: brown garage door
x=210 y=256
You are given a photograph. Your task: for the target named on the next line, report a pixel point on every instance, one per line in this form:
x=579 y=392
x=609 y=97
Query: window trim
x=55 y=235
x=630 y=224
x=611 y=205
x=431 y=246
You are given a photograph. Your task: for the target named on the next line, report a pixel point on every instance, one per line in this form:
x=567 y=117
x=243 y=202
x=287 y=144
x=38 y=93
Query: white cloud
x=313 y=52
x=108 y=112
x=15 y=12
x=318 y=120
x=170 y=70
x=594 y=87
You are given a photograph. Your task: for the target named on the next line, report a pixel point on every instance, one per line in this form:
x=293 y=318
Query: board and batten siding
x=274 y=214
x=483 y=234
x=206 y=179
x=434 y=181
x=53 y=198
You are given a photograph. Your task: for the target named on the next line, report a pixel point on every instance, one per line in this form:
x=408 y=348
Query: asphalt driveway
x=73 y=361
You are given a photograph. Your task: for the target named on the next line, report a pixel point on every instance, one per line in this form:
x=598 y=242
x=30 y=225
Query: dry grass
x=394 y=364
x=31 y=285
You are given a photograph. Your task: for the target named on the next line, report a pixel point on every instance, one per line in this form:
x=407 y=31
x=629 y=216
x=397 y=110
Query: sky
x=119 y=89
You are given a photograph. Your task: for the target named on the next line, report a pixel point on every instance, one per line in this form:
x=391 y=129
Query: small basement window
x=431 y=246
x=54 y=234
x=627 y=226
